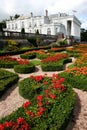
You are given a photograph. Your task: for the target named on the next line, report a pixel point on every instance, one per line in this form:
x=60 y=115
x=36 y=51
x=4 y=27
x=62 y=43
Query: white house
x=49 y=24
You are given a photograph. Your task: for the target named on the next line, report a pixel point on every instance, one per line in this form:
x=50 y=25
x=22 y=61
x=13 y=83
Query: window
x=29 y=24
x=15 y=26
x=8 y=26
x=12 y=26
x=48 y=31
x=22 y=24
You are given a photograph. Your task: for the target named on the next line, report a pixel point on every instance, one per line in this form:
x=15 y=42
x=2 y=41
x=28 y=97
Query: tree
x=83 y=35
x=2 y=25
x=16 y=16
x=23 y=31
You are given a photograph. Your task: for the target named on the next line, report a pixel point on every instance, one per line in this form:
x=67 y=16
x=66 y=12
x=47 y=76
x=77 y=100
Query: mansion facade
x=53 y=24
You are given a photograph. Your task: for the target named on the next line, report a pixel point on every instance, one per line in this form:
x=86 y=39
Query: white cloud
x=11 y=7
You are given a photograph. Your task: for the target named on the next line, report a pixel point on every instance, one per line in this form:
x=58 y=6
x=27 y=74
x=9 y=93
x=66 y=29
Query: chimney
x=31 y=14
x=46 y=12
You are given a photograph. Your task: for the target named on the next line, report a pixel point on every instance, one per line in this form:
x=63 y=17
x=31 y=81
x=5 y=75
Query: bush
x=41 y=56
x=51 y=109
x=62 y=43
x=76 y=81
x=57 y=66
x=7 y=79
x=24 y=68
x=28 y=56
x=7 y=62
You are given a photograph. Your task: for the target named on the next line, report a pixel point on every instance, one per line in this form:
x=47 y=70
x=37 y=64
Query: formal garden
x=50 y=98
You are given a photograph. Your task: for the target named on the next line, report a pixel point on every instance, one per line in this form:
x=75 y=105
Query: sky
x=24 y=7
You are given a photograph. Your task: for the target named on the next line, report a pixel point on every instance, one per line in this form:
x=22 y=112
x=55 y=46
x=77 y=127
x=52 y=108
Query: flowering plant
x=45 y=110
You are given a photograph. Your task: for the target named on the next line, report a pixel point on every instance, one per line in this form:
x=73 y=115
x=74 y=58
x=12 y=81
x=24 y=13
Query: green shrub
x=79 y=81
x=8 y=64
x=41 y=56
x=57 y=112
x=36 y=62
x=57 y=66
x=62 y=43
x=24 y=69
x=67 y=60
x=28 y=56
x=7 y=79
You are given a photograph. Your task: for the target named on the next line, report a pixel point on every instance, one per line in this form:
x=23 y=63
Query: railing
x=19 y=35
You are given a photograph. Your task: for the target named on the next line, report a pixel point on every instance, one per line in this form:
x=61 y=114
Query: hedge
x=20 y=51
x=24 y=69
x=41 y=56
x=8 y=64
x=55 y=66
x=56 y=112
x=77 y=81
x=28 y=56
x=7 y=79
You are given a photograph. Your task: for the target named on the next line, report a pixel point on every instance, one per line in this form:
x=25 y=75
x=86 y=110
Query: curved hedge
x=7 y=79
x=8 y=64
x=28 y=56
x=41 y=56
x=57 y=66
x=51 y=108
x=24 y=68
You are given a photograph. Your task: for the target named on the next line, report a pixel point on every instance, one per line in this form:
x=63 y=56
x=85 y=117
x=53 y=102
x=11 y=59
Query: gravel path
x=11 y=100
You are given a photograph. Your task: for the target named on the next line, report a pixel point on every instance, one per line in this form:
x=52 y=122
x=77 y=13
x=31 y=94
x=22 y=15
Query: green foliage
x=79 y=81
x=23 y=31
x=7 y=79
x=12 y=45
x=71 y=66
x=57 y=113
x=83 y=35
x=24 y=69
x=8 y=64
x=36 y=62
x=62 y=43
x=28 y=56
x=2 y=25
x=41 y=56
x=56 y=66
x=32 y=40
x=73 y=54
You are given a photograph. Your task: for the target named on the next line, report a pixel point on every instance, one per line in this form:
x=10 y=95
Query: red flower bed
x=55 y=58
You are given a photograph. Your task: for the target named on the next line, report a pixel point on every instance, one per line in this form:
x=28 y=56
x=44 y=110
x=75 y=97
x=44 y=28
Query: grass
x=36 y=62
x=71 y=66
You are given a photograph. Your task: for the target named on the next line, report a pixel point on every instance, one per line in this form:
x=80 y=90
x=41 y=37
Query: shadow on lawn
x=75 y=115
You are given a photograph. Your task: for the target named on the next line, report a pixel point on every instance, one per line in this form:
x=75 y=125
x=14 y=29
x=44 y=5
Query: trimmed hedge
x=41 y=56
x=15 y=52
x=24 y=69
x=57 y=112
x=79 y=81
x=57 y=66
x=7 y=79
x=8 y=64
x=28 y=56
